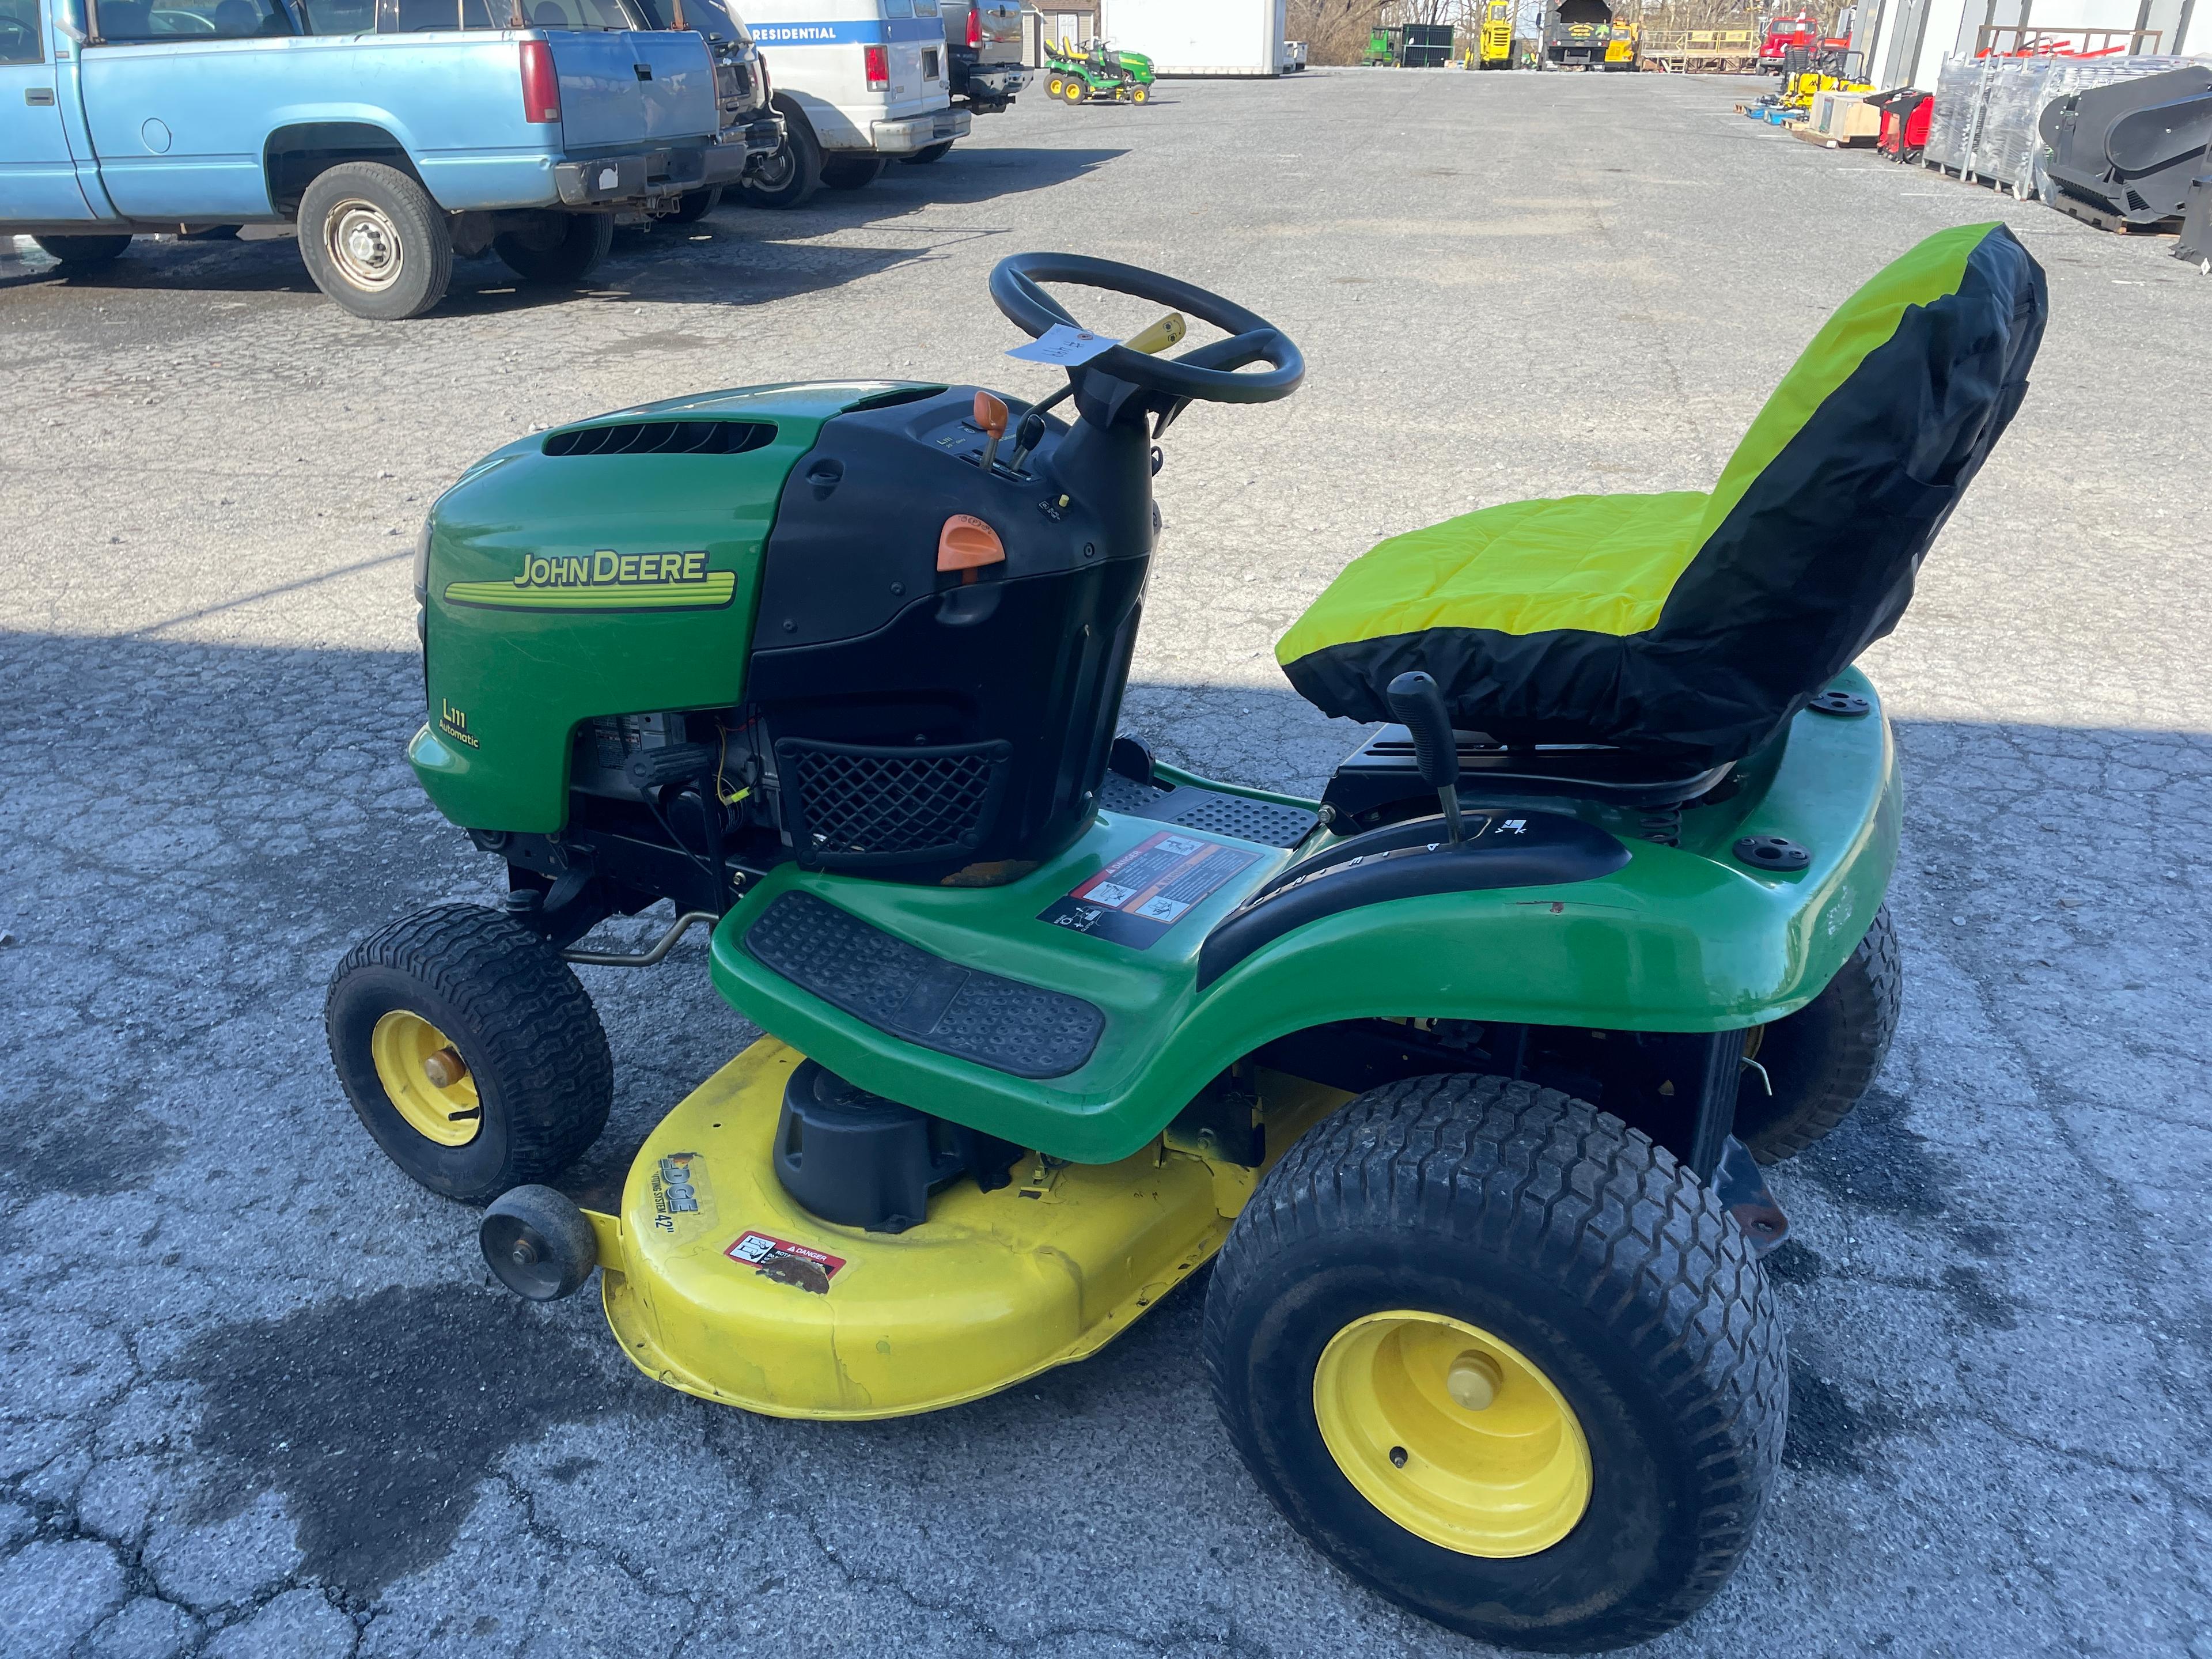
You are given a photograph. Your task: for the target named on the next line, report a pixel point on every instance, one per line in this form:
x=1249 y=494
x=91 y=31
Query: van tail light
x=878 y=62
x=540 y=83
x=975 y=26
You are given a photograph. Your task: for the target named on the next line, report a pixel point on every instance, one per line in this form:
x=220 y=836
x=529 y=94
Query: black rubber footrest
x=1238 y=816
x=901 y=989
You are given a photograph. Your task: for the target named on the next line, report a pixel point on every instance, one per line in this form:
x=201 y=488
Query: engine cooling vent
x=849 y=805
x=662 y=438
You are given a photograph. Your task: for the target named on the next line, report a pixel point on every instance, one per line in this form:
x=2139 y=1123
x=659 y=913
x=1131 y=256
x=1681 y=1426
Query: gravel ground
x=256 y=1398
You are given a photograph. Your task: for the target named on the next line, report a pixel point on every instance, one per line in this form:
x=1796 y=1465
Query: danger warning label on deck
x=786 y=1263
x=1150 y=887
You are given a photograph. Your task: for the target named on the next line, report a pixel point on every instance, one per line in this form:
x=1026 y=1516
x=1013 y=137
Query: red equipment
x=1783 y=32
x=1904 y=117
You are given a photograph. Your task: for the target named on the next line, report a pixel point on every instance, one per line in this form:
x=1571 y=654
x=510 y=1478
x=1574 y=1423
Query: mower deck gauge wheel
x=537 y=1243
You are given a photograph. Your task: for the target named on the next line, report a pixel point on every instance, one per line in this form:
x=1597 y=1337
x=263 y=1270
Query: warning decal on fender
x=786 y=1263
x=1135 y=900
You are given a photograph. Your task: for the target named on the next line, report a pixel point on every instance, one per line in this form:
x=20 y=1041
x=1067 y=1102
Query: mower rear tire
x=559 y=247
x=469 y=1051
x=1820 y=1060
x=852 y=171
x=537 y=1243
x=82 y=252
x=1503 y=1360
x=1074 y=89
x=793 y=171
x=373 y=240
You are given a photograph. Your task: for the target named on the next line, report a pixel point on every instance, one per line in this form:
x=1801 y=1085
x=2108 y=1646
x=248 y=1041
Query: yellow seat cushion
x=1601 y=563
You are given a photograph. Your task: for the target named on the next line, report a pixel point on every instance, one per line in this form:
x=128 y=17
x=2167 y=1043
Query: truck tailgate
x=631 y=86
x=1000 y=25
x=679 y=100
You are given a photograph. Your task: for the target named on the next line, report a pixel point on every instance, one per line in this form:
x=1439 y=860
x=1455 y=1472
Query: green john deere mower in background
x=1464 y=1071
x=1096 y=71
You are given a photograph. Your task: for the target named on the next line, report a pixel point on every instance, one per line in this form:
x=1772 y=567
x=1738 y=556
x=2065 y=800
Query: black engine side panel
x=862 y=641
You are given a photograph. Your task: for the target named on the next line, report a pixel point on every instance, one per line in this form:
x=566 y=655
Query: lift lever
x=1419 y=703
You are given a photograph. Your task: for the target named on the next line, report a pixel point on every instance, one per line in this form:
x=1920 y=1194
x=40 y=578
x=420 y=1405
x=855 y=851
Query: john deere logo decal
x=605 y=581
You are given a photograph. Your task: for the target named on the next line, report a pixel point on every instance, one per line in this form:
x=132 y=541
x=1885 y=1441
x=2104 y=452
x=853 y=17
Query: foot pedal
x=906 y=992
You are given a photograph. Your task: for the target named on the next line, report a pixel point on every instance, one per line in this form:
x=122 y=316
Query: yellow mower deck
x=716 y=1282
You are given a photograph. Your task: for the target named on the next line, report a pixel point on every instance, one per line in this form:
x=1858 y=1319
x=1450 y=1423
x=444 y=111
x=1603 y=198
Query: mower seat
x=1692 y=626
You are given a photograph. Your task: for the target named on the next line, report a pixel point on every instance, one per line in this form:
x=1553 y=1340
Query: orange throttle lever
x=991 y=416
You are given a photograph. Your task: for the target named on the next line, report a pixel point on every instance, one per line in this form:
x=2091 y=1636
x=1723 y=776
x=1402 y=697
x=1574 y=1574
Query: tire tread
x=526 y=1008
x=1546 y=1179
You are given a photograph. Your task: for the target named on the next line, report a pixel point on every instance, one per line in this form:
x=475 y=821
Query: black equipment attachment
x=2123 y=155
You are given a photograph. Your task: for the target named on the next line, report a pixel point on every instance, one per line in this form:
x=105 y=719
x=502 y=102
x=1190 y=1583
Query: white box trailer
x=1199 y=37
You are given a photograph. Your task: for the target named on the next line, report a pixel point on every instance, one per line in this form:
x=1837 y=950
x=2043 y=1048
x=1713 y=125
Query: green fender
x=1681 y=939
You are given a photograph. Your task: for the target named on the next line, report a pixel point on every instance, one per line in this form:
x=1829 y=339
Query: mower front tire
x=1819 y=1062
x=1503 y=1360
x=469 y=1051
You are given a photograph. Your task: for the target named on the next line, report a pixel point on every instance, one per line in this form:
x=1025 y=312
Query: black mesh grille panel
x=846 y=805
x=662 y=438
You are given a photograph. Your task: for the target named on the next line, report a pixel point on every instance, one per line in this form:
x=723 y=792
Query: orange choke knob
x=967 y=543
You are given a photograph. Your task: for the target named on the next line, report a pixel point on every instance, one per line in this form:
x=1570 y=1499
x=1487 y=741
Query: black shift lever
x=1419 y=703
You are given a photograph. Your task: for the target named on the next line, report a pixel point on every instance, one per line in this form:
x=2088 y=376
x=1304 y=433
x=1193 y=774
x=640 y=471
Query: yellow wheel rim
x=1140 y=95
x=1052 y=88
x=1452 y=1433
x=416 y=1064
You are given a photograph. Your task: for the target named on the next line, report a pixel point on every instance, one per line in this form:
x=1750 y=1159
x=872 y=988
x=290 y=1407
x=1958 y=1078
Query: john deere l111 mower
x=1461 y=1074
x=1077 y=75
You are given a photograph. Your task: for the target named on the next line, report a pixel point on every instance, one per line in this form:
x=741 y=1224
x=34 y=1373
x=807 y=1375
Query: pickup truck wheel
x=82 y=252
x=788 y=176
x=853 y=172
x=560 y=247
x=374 y=241
x=693 y=205
x=932 y=153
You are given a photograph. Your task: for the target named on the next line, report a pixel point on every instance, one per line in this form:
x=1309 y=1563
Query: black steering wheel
x=1208 y=373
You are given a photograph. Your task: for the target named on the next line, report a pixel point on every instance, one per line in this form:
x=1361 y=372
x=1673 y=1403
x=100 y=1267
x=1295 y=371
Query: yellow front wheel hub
x=426 y=1079
x=1452 y=1433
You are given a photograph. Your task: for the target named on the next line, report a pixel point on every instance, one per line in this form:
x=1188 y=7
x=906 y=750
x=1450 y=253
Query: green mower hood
x=610 y=565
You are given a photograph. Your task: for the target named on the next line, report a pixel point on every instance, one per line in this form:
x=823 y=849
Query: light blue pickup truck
x=394 y=134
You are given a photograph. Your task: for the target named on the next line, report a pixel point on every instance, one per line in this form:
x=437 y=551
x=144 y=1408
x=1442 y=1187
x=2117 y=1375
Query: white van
x=859 y=84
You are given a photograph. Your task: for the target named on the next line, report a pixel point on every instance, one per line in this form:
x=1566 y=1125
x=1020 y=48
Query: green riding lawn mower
x=1096 y=71
x=1461 y=1076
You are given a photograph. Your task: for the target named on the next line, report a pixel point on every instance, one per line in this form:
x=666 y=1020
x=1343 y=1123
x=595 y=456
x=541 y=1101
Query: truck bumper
x=622 y=180
x=918 y=132
x=998 y=81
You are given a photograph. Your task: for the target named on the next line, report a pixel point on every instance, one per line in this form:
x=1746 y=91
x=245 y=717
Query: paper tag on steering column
x=1067 y=347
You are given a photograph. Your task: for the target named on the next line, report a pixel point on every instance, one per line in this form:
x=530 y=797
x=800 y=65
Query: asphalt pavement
x=255 y=1397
